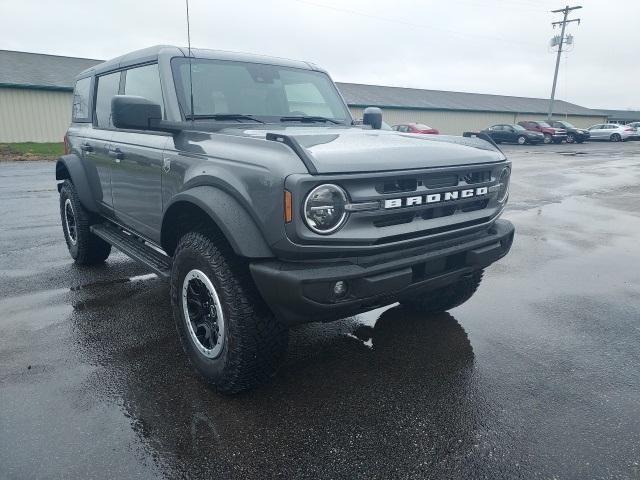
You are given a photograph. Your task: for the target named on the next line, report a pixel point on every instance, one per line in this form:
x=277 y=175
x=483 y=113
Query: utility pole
x=563 y=22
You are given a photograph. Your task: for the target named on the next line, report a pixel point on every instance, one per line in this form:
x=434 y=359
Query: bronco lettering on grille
x=435 y=197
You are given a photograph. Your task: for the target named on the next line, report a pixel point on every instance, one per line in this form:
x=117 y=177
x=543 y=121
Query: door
x=596 y=131
x=95 y=146
x=510 y=134
x=608 y=130
x=137 y=161
x=498 y=133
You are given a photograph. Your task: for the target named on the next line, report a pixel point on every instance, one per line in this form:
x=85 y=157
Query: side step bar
x=134 y=247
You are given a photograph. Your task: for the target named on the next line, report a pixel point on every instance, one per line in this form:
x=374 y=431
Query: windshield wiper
x=223 y=116
x=308 y=119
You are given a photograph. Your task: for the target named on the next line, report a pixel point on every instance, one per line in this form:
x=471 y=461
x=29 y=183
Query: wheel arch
x=69 y=167
x=215 y=208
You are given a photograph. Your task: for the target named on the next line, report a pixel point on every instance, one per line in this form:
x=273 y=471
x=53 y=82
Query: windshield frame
x=181 y=89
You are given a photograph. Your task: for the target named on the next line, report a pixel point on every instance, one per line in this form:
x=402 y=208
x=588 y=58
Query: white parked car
x=612 y=132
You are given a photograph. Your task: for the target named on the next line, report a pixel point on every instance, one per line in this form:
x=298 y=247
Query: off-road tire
x=88 y=249
x=445 y=298
x=255 y=342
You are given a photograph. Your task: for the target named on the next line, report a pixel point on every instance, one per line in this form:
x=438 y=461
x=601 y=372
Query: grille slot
x=395 y=220
x=478 y=177
x=473 y=206
x=398 y=185
x=439 y=181
x=439 y=212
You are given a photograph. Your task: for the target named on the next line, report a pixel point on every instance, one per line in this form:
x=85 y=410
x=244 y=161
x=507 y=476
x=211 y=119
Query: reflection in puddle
x=415 y=371
x=115 y=281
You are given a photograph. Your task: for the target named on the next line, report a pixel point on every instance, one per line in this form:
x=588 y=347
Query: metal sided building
x=36 y=93
x=457 y=112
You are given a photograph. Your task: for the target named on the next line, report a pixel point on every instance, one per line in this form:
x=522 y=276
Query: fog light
x=340 y=289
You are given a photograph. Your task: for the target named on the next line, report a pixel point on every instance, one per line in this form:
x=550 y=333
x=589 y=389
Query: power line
x=561 y=42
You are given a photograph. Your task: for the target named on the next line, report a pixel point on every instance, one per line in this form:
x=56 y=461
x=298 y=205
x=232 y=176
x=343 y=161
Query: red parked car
x=551 y=134
x=416 y=128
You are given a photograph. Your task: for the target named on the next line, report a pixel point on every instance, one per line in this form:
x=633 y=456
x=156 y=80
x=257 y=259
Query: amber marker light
x=288 y=207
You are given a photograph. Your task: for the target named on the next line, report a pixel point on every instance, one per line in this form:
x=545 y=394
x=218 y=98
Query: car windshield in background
x=245 y=92
x=422 y=126
x=519 y=128
x=544 y=124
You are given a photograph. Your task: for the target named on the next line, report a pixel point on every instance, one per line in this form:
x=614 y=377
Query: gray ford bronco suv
x=246 y=182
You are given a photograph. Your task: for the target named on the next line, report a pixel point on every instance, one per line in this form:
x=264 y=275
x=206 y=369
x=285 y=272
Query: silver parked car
x=612 y=132
x=635 y=125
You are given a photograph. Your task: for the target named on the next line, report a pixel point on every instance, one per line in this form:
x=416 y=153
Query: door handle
x=117 y=153
x=86 y=147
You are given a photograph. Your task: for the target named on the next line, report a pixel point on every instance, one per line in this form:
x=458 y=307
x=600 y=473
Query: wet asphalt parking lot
x=538 y=376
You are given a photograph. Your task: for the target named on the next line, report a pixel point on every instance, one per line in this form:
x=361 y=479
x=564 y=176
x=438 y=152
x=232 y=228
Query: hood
x=352 y=149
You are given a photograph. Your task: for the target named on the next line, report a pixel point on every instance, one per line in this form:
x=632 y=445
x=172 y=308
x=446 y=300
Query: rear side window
x=144 y=82
x=80 y=112
x=108 y=87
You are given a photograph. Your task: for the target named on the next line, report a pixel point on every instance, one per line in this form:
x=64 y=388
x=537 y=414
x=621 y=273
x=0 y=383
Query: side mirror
x=372 y=116
x=138 y=113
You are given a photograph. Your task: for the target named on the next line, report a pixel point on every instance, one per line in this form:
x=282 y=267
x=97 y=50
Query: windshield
x=544 y=124
x=422 y=126
x=266 y=92
x=519 y=127
x=565 y=124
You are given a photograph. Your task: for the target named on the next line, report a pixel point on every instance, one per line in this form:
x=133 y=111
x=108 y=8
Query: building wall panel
x=28 y=115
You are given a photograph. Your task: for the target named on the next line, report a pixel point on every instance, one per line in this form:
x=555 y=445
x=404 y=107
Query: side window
x=80 y=112
x=108 y=86
x=144 y=82
x=403 y=128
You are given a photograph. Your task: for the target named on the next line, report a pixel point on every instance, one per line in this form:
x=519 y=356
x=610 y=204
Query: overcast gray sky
x=486 y=46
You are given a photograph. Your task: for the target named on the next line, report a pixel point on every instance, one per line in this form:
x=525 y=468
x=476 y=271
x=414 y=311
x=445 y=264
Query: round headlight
x=503 y=193
x=325 y=209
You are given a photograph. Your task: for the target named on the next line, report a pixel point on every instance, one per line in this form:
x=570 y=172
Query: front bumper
x=300 y=292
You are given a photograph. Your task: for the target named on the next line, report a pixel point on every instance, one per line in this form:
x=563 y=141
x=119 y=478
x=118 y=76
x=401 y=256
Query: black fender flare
x=76 y=173
x=229 y=215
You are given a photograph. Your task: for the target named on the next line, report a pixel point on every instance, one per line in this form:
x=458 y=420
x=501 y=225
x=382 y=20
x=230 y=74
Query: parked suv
x=551 y=134
x=243 y=181
x=574 y=134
